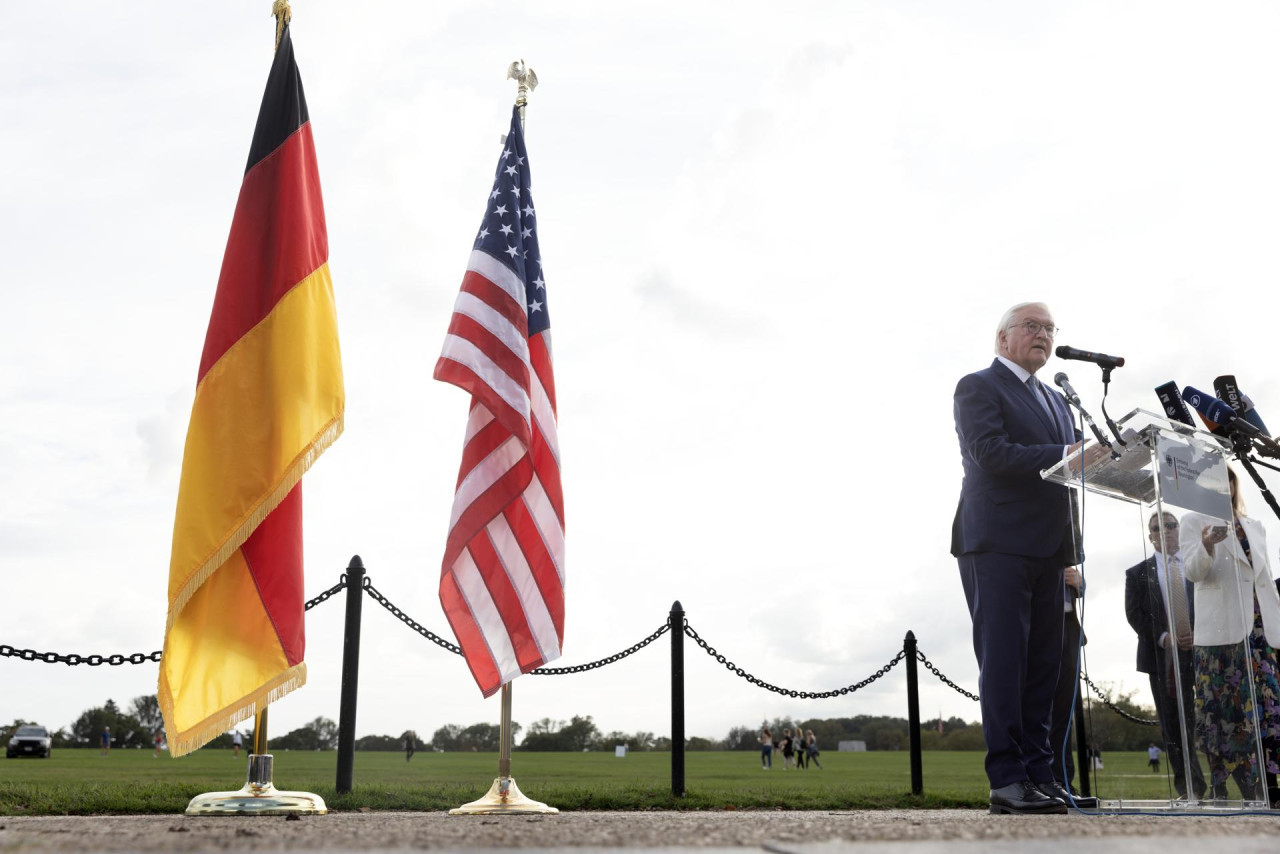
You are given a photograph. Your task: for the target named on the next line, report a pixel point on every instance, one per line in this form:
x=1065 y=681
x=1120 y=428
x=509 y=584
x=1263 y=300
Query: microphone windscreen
x=1251 y=415
x=1213 y=412
x=1226 y=389
x=1174 y=408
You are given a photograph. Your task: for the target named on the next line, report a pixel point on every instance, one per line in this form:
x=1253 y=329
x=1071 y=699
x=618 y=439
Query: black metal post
x=1082 y=749
x=350 y=675
x=913 y=714
x=676 y=621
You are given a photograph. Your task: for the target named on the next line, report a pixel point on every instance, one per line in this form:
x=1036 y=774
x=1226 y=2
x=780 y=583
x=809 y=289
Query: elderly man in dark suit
x=1013 y=537
x=1145 y=594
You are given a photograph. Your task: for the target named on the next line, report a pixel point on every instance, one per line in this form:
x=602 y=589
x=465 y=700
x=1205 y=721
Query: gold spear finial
x=526 y=82
x=283 y=14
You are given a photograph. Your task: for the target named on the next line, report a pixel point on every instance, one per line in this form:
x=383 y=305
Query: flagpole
x=504 y=796
x=259 y=796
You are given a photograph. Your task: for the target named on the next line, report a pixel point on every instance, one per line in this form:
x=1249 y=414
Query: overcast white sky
x=774 y=237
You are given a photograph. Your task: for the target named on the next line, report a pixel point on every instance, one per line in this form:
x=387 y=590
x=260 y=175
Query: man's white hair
x=1007 y=318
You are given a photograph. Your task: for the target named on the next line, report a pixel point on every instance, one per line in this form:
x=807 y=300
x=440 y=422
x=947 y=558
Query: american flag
x=502 y=579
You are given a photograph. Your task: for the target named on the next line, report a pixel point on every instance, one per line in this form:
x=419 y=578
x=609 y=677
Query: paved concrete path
x=864 y=832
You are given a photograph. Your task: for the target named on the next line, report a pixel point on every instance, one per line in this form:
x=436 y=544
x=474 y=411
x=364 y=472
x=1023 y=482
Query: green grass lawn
x=132 y=781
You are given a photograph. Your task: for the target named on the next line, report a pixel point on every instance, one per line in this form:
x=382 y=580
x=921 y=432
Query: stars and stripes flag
x=502 y=578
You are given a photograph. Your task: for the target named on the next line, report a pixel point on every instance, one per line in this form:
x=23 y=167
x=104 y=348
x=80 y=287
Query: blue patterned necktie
x=1038 y=391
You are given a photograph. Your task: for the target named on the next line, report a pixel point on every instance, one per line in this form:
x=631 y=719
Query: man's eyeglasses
x=1033 y=328
x=1170 y=527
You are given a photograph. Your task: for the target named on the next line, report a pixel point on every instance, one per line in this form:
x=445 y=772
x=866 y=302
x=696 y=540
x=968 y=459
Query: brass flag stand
x=259 y=795
x=504 y=796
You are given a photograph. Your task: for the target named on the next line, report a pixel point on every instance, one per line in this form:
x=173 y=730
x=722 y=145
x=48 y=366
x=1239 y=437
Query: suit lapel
x=1020 y=392
x=1154 y=596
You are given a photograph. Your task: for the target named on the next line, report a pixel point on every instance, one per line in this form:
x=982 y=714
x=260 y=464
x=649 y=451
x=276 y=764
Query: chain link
x=407 y=620
x=928 y=665
x=617 y=656
x=1113 y=707
x=325 y=596
x=804 y=695
x=72 y=659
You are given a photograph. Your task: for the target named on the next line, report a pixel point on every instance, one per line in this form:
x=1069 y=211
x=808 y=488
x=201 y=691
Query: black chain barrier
x=617 y=656
x=409 y=621
x=72 y=659
x=326 y=595
x=928 y=665
x=803 y=695
x=1113 y=707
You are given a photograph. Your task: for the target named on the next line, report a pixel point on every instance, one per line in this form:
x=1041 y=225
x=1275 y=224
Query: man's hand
x=1073 y=578
x=1092 y=454
x=1185 y=641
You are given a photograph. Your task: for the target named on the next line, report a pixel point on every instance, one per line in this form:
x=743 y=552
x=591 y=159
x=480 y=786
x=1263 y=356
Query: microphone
x=1061 y=381
x=1226 y=388
x=1174 y=409
x=1251 y=415
x=1100 y=359
x=1219 y=416
x=1213 y=412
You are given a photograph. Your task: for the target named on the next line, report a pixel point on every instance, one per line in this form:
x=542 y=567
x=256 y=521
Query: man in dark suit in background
x=1145 y=594
x=1013 y=536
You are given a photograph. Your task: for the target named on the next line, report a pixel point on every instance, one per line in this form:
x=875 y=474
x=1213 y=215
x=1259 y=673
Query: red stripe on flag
x=460 y=375
x=489 y=504
x=274 y=555
x=277 y=239
x=540 y=360
x=492 y=346
x=497 y=299
x=470 y=638
x=487 y=439
x=540 y=563
x=506 y=599
x=548 y=472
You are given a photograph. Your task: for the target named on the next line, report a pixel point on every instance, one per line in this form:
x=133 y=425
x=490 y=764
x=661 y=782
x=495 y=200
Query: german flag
x=269 y=400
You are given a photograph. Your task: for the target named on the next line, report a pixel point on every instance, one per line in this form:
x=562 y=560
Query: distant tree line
x=137 y=727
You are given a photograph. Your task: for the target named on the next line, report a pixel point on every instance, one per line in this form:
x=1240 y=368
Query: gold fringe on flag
x=283 y=15
x=244 y=708
x=300 y=465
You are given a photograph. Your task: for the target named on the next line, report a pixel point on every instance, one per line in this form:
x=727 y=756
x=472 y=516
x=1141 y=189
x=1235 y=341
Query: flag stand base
x=258 y=797
x=504 y=797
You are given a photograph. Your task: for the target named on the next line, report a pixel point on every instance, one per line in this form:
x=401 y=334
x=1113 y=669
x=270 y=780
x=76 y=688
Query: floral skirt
x=1226 y=720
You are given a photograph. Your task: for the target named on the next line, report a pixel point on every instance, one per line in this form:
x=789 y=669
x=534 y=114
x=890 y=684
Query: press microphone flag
x=1219 y=414
x=1226 y=388
x=1101 y=359
x=1216 y=414
x=1174 y=408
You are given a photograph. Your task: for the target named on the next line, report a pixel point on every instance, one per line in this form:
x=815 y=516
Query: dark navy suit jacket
x=1144 y=608
x=1006 y=439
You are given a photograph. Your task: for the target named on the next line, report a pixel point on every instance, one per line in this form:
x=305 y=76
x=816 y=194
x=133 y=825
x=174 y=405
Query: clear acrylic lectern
x=1192 y=613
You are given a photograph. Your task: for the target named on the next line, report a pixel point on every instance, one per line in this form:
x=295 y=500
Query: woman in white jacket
x=1237 y=608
